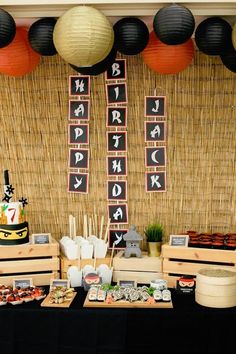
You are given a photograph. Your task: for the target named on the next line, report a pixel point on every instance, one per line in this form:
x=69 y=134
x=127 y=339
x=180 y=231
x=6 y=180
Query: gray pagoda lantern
x=132 y=239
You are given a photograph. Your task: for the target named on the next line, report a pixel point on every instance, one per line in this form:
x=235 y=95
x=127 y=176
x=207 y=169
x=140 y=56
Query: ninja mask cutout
x=91 y=279
x=185 y=284
x=14 y=234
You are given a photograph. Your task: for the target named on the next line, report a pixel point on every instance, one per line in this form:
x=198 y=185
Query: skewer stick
x=85 y=227
x=96 y=225
x=95 y=258
x=107 y=229
x=93 y=225
x=90 y=226
x=101 y=226
x=112 y=253
x=74 y=228
x=70 y=226
x=78 y=255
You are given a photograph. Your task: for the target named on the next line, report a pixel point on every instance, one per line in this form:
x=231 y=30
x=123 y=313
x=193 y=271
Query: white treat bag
x=71 y=250
x=75 y=276
x=100 y=248
x=105 y=273
x=88 y=268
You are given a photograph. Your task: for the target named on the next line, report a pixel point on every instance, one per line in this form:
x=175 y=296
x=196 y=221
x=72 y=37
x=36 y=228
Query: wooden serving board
x=127 y=304
x=65 y=304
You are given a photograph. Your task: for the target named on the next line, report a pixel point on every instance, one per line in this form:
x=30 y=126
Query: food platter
x=66 y=304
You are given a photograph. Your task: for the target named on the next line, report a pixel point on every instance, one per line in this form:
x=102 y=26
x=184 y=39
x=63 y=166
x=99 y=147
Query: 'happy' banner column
x=78 y=134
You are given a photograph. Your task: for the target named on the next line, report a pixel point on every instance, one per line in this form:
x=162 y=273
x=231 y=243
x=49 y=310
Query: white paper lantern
x=83 y=36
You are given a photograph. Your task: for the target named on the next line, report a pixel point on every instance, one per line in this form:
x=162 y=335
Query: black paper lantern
x=131 y=35
x=100 y=67
x=174 y=24
x=7 y=28
x=213 y=36
x=229 y=60
x=41 y=36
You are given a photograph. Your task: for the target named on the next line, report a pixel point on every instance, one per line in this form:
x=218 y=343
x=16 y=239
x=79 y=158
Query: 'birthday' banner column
x=116 y=123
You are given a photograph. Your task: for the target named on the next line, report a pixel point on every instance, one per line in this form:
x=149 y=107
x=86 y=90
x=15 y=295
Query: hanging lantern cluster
x=170 y=49
x=131 y=35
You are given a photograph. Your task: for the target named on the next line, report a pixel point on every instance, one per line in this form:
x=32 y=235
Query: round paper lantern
x=234 y=36
x=131 y=35
x=41 y=36
x=167 y=59
x=100 y=67
x=7 y=28
x=174 y=24
x=229 y=60
x=83 y=36
x=213 y=36
x=18 y=58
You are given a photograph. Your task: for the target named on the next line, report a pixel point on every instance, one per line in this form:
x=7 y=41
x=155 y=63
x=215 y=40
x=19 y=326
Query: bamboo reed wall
x=201 y=147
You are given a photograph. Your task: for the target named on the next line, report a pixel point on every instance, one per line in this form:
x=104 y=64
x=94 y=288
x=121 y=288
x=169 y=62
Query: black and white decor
x=78 y=134
x=155 y=140
x=116 y=124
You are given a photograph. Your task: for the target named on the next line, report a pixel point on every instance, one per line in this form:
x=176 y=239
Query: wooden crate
x=142 y=270
x=66 y=263
x=37 y=261
x=179 y=261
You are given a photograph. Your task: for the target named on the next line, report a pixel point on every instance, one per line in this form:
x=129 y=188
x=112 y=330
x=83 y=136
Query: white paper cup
x=100 y=249
x=88 y=268
x=75 y=276
x=86 y=251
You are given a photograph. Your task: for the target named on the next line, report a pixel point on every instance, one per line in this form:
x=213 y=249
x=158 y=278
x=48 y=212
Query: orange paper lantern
x=18 y=58
x=167 y=59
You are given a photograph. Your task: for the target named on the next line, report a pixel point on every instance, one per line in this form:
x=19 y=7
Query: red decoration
x=167 y=59
x=18 y=58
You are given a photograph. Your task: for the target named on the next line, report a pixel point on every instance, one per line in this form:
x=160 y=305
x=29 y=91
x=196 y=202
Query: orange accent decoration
x=167 y=59
x=18 y=58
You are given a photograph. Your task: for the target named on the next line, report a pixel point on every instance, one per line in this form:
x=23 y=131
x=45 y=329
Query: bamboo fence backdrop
x=201 y=147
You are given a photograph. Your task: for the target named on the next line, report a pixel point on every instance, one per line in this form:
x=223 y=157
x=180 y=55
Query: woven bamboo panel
x=201 y=146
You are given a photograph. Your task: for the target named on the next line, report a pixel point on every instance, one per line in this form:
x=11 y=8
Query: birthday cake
x=14 y=229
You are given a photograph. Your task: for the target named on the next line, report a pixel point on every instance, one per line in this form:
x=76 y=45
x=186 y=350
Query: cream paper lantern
x=83 y=36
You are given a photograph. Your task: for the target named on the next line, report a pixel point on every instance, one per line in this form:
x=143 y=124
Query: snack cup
x=100 y=249
x=71 y=250
x=88 y=268
x=159 y=284
x=86 y=250
x=75 y=276
x=106 y=275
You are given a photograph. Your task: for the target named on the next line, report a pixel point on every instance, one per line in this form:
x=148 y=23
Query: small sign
x=155 y=156
x=79 y=85
x=116 y=93
x=118 y=213
x=41 y=238
x=78 y=183
x=127 y=283
x=155 y=181
x=116 y=141
x=179 y=240
x=116 y=238
x=79 y=158
x=155 y=106
x=22 y=283
x=116 y=117
x=116 y=190
x=155 y=131
x=117 y=71
x=79 y=109
x=117 y=166
x=59 y=282
x=78 y=133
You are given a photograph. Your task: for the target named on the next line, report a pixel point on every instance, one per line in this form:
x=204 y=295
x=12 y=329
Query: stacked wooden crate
x=142 y=270
x=37 y=261
x=178 y=260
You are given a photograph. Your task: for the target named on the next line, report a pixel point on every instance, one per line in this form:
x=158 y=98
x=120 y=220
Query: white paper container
x=75 y=276
x=100 y=249
x=88 y=268
x=106 y=275
x=86 y=251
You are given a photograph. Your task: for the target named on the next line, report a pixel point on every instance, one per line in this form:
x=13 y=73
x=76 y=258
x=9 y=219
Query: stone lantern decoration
x=132 y=239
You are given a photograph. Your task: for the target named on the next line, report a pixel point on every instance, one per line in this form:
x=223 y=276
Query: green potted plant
x=154 y=236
